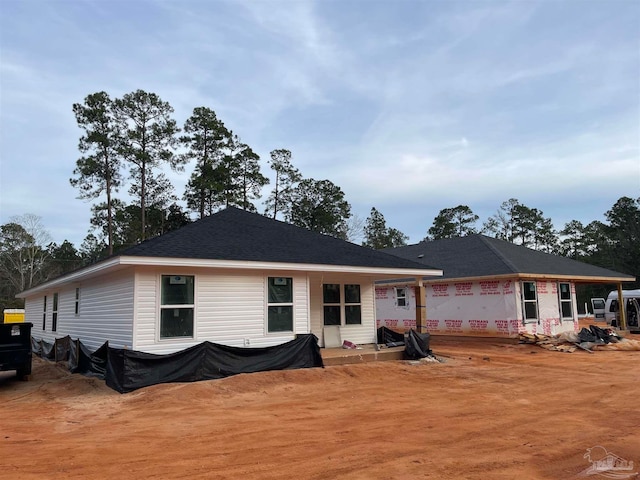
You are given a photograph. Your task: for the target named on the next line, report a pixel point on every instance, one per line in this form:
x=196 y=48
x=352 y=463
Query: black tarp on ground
x=388 y=336
x=128 y=370
x=416 y=345
x=596 y=334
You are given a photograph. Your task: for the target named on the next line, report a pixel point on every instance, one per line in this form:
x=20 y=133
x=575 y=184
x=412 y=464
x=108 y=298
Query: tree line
x=126 y=142
x=614 y=245
x=29 y=257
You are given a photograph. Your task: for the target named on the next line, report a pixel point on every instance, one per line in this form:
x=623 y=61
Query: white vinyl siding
x=301 y=322
x=145 y=310
x=33 y=311
x=106 y=313
x=230 y=309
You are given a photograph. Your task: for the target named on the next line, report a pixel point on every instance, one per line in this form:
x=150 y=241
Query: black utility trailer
x=15 y=348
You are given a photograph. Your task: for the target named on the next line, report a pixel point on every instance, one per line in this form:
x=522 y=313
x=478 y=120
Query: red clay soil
x=493 y=410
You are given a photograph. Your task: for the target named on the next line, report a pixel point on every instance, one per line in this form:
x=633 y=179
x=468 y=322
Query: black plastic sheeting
x=82 y=360
x=416 y=345
x=43 y=349
x=597 y=335
x=128 y=370
x=390 y=337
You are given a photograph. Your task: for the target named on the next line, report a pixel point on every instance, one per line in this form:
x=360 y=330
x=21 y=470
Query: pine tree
x=148 y=135
x=207 y=141
x=287 y=178
x=98 y=171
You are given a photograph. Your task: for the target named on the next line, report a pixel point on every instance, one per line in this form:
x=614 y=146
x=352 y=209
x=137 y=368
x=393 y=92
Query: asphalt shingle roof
x=234 y=234
x=480 y=256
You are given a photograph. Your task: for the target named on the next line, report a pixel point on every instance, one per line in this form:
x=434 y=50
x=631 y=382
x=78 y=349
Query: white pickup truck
x=609 y=309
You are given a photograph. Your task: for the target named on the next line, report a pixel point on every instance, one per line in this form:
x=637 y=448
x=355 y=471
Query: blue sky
x=408 y=106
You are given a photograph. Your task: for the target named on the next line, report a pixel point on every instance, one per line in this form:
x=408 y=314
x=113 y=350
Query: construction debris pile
x=593 y=338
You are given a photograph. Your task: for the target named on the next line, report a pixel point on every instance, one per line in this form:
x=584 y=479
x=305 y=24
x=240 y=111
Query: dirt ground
x=492 y=410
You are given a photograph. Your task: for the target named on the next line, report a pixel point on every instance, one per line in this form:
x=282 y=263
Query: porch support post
x=622 y=308
x=421 y=307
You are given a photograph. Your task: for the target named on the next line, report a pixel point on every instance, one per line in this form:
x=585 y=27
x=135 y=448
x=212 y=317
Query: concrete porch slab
x=366 y=353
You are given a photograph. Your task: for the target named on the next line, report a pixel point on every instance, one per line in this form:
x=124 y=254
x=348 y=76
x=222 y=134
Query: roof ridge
x=499 y=254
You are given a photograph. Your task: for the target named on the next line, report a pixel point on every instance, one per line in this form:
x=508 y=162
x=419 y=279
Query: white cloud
x=410 y=107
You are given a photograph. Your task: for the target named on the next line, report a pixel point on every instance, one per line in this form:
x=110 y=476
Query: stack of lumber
x=556 y=343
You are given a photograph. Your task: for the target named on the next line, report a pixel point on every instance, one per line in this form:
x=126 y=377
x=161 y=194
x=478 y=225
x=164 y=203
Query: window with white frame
x=331 y=303
x=529 y=302
x=352 y=305
x=279 y=304
x=566 y=301
x=342 y=304
x=401 y=296
x=176 y=306
x=54 y=313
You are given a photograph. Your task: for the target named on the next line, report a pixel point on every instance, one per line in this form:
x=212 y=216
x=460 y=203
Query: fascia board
x=577 y=278
x=377 y=272
x=90 y=271
x=512 y=276
x=123 y=261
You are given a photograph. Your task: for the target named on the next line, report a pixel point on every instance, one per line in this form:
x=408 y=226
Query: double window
x=341 y=304
x=279 y=304
x=529 y=302
x=564 y=296
x=176 y=306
